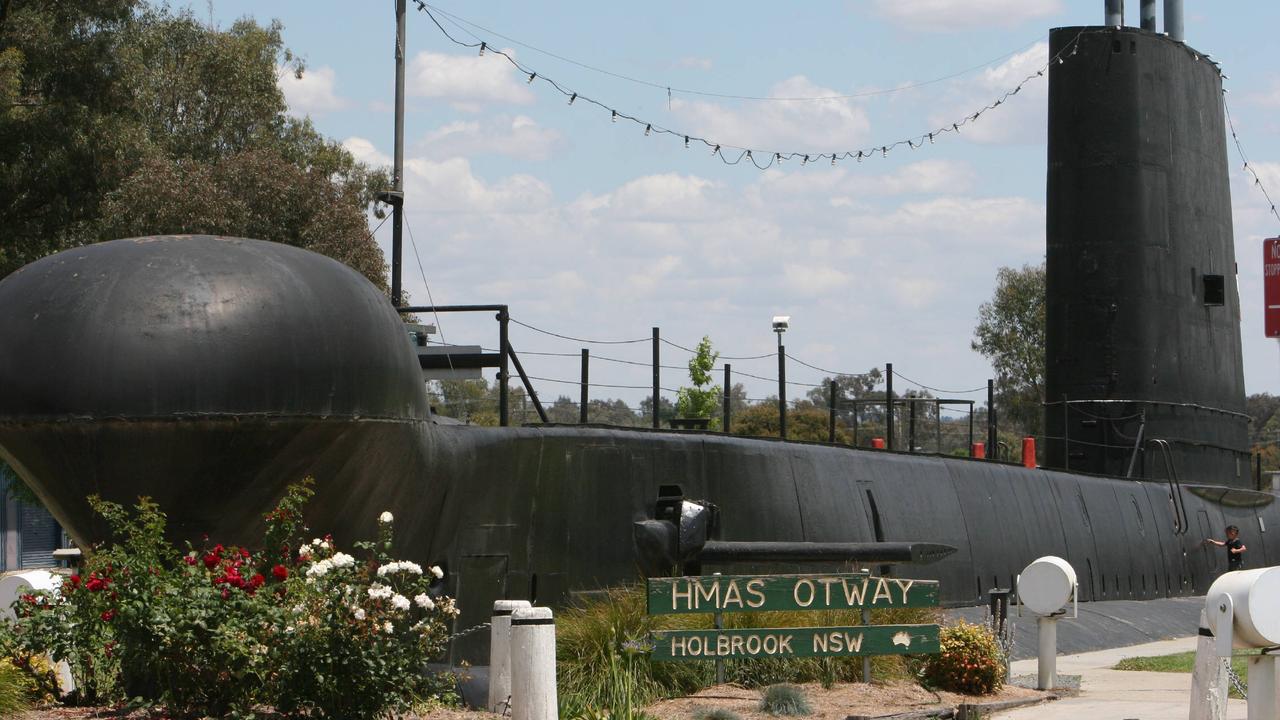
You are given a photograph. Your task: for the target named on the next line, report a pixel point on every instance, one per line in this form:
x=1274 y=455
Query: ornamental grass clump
x=222 y=631
x=970 y=661
x=785 y=700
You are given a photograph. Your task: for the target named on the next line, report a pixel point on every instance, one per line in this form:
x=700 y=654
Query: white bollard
x=500 y=655
x=1262 y=688
x=1047 y=665
x=533 y=664
x=1208 y=678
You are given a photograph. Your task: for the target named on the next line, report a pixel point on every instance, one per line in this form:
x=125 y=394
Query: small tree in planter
x=694 y=405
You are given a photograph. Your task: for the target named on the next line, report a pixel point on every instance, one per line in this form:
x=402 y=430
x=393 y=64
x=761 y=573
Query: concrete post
x=1048 y=654
x=1208 y=678
x=1262 y=688
x=500 y=655
x=533 y=664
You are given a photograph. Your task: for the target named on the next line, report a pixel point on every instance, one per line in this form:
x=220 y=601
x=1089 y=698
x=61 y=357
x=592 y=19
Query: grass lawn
x=1183 y=662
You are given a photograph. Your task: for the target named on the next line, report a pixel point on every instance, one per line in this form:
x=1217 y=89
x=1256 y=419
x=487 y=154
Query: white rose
x=359 y=612
x=424 y=602
x=388 y=628
x=385 y=518
x=399 y=602
x=435 y=570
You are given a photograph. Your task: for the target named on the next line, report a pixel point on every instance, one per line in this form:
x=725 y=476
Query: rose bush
x=970 y=662
x=220 y=630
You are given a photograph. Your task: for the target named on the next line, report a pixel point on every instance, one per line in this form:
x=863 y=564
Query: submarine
x=209 y=373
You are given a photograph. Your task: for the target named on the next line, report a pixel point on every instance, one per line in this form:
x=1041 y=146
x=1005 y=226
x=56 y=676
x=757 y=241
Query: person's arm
x=1237 y=551
x=1214 y=542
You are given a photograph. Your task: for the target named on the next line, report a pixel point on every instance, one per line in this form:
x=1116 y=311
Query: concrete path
x=1107 y=694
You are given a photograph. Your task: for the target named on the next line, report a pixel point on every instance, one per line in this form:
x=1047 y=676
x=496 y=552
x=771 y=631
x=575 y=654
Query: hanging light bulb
x=482 y=47
x=884 y=151
x=648 y=129
x=912 y=145
x=686 y=142
x=859 y=156
x=615 y=116
x=1060 y=60
x=805 y=161
x=715 y=151
x=572 y=98
x=777 y=157
x=833 y=159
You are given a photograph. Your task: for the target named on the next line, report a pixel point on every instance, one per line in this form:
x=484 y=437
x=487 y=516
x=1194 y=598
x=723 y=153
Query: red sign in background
x=1271 y=285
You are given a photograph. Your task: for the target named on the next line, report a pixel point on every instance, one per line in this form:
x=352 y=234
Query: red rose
x=108 y=615
x=210 y=561
x=95 y=583
x=244 y=553
x=256 y=581
x=189 y=560
x=75 y=579
x=280 y=572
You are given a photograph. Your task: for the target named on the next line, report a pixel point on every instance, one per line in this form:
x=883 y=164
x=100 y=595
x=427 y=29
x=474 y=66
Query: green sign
x=795 y=642
x=747 y=593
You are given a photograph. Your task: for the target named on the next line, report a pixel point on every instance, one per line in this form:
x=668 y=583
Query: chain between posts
x=1236 y=682
x=468 y=631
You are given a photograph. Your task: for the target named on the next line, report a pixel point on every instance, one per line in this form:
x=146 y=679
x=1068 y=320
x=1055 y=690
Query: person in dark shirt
x=1235 y=548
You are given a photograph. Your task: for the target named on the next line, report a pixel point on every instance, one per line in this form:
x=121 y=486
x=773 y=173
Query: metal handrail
x=1180 y=521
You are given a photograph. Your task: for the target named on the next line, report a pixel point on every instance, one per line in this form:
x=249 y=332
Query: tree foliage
x=119 y=119
x=1010 y=333
x=700 y=399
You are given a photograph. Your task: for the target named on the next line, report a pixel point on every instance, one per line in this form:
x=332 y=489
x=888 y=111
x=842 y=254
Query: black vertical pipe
x=655 y=378
x=782 y=391
x=582 y=403
x=1257 y=472
x=911 y=425
x=991 y=420
x=503 y=369
x=831 y=420
x=728 y=379
x=888 y=404
x=397 y=173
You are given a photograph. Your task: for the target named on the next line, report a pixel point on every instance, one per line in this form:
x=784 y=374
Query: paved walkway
x=1107 y=694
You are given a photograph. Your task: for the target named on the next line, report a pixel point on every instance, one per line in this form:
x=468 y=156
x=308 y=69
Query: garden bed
x=107 y=713
x=837 y=703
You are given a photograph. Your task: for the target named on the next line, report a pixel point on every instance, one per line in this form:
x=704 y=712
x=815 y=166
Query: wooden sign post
x=760 y=593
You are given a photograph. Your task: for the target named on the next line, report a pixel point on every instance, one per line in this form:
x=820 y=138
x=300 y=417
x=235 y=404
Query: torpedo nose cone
x=176 y=366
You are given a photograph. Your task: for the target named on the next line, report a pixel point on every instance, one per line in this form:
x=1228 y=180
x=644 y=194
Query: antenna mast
x=396 y=196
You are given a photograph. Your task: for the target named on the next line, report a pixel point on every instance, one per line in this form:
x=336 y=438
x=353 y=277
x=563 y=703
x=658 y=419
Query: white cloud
x=518 y=137
x=817 y=125
x=366 y=152
x=311 y=93
x=466 y=81
x=450 y=187
x=693 y=63
x=964 y=15
x=1020 y=119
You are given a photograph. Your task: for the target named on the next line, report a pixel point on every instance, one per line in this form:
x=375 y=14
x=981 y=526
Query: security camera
x=781 y=322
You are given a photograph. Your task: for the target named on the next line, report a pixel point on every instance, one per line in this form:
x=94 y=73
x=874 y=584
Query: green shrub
x=602 y=655
x=970 y=661
x=785 y=700
x=16 y=690
x=220 y=630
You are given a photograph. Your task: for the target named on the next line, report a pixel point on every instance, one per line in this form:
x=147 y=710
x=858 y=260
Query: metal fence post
x=582 y=402
x=888 y=403
x=504 y=343
x=655 y=378
x=992 y=450
x=831 y=406
x=782 y=391
x=911 y=423
x=725 y=426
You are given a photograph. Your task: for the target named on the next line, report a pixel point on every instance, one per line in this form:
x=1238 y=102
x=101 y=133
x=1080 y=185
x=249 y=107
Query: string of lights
x=462 y=24
x=577 y=339
x=691 y=351
x=731 y=154
x=897 y=374
x=1235 y=137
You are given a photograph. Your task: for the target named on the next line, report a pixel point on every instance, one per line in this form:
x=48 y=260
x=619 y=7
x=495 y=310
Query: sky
x=589 y=228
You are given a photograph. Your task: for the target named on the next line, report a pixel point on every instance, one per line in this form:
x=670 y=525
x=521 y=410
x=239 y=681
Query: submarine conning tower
x=1142 y=308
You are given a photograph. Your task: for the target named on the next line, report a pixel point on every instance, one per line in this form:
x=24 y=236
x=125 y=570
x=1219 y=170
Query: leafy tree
x=1010 y=333
x=118 y=118
x=803 y=423
x=700 y=401
x=666 y=411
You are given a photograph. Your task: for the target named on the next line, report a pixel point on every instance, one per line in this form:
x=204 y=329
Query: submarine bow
x=205 y=372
